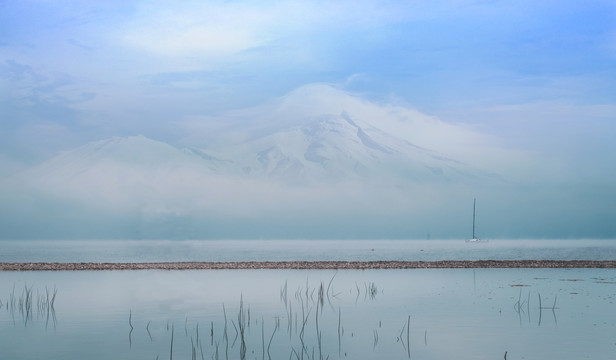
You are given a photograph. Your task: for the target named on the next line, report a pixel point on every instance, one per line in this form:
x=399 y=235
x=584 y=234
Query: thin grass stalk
x=528 y=306
x=290 y=319
x=321 y=295
x=283 y=294
x=540 y=309
x=241 y=321
x=225 y=334
x=270 y=343
x=171 y=346
x=130 y=333
x=408 y=336
x=330 y=283
x=236 y=333
x=339 y=333
x=307 y=298
x=296 y=354
x=201 y=350
x=317 y=328
x=554 y=305
x=148 y=330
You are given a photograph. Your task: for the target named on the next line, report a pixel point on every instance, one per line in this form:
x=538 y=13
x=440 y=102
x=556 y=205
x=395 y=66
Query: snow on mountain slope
x=335 y=148
x=319 y=133
x=122 y=172
x=136 y=152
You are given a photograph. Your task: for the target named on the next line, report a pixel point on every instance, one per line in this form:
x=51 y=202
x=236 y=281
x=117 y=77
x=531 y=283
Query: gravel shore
x=310 y=265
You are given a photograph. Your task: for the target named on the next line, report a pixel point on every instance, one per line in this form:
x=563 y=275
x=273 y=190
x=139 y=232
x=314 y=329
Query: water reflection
x=523 y=308
x=268 y=314
x=27 y=306
x=303 y=326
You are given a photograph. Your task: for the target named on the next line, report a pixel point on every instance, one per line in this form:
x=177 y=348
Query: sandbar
x=309 y=265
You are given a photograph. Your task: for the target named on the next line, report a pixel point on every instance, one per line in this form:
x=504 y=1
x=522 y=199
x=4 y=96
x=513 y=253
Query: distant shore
x=311 y=265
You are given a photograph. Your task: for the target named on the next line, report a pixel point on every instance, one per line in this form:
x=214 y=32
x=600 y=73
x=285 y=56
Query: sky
x=539 y=77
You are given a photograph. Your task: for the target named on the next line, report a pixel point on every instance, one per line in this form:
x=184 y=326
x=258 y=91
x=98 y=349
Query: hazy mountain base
x=138 y=188
x=251 y=210
x=233 y=209
x=317 y=163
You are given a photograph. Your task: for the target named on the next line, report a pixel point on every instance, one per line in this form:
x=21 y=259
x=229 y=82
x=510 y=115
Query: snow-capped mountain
x=315 y=156
x=334 y=148
x=317 y=135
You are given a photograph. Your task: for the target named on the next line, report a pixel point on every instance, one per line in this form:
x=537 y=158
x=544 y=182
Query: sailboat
x=474 y=238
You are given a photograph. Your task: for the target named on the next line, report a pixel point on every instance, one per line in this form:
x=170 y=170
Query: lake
x=308 y=314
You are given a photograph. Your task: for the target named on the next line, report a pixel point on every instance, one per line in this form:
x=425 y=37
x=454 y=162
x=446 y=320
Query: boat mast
x=474 y=200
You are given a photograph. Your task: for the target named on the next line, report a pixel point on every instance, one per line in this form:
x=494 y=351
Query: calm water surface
x=309 y=250
x=375 y=314
x=308 y=314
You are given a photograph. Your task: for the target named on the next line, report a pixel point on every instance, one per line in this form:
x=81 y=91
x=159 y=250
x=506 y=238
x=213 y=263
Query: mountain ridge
x=317 y=134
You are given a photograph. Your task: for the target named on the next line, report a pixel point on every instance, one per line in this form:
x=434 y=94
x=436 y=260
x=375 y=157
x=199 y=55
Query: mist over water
x=302 y=250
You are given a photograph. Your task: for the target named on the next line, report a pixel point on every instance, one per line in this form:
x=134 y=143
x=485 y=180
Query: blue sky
x=539 y=76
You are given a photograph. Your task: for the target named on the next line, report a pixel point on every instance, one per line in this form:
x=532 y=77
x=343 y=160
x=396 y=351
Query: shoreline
x=312 y=265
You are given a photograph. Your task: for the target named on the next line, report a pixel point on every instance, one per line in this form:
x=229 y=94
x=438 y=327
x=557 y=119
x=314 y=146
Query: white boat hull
x=475 y=240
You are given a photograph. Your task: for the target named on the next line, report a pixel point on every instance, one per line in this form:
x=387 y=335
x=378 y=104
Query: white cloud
x=170 y=35
x=218 y=29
